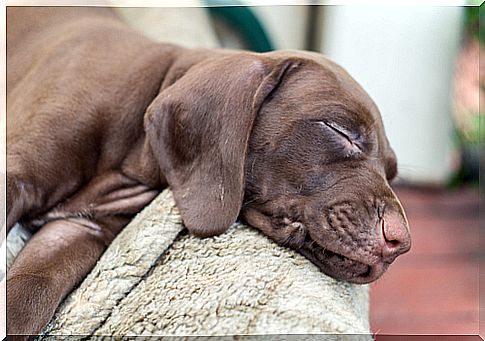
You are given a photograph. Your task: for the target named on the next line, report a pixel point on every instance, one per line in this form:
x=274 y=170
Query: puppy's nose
x=395 y=237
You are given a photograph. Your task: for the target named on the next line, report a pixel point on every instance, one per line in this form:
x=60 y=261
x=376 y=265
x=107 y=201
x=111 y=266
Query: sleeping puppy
x=101 y=119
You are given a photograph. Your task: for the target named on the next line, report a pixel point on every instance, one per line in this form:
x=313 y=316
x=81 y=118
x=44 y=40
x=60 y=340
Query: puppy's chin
x=341 y=267
x=295 y=236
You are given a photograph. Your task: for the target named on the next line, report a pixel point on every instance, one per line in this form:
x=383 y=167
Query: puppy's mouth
x=342 y=267
x=293 y=234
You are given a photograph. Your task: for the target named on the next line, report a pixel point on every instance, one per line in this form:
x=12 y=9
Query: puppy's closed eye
x=344 y=137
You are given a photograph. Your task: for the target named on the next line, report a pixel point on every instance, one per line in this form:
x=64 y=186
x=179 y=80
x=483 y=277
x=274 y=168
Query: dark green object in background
x=475 y=22
x=243 y=21
x=471 y=141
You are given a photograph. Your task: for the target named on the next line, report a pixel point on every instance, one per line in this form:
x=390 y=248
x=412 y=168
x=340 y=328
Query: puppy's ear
x=199 y=128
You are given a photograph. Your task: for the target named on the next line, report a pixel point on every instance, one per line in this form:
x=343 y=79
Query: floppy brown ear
x=199 y=128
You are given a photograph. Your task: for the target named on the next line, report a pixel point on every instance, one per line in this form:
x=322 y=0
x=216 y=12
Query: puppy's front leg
x=50 y=265
x=67 y=247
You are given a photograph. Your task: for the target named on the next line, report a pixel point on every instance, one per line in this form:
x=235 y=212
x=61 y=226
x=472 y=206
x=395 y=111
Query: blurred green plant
x=473 y=136
x=474 y=22
x=470 y=132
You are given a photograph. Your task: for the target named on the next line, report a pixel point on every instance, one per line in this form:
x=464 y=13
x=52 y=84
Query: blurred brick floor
x=433 y=289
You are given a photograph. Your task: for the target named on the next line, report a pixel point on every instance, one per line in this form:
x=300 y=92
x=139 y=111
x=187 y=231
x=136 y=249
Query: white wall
x=403 y=56
x=286 y=25
x=187 y=26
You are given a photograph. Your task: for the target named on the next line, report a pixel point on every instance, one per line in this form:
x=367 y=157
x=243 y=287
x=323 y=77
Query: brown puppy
x=100 y=119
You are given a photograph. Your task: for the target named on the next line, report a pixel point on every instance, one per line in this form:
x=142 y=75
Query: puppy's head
x=292 y=144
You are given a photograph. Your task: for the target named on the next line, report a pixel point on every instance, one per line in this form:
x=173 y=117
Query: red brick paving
x=433 y=289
